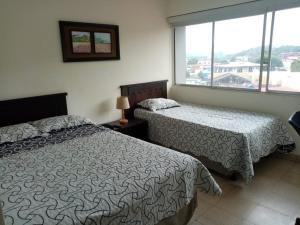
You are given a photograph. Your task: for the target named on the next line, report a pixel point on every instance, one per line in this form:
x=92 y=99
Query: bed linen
x=92 y=175
x=17 y=132
x=154 y=104
x=59 y=122
x=234 y=138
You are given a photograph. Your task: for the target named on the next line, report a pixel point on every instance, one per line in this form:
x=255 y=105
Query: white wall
x=31 y=60
x=277 y=104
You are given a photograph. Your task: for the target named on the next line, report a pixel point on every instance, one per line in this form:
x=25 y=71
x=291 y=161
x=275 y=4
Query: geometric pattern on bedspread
x=234 y=138
x=55 y=137
x=101 y=178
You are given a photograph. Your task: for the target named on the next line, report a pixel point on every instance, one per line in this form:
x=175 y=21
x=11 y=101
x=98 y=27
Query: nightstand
x=137 y=128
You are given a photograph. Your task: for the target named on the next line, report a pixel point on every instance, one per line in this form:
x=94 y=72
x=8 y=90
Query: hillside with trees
x=253 y=55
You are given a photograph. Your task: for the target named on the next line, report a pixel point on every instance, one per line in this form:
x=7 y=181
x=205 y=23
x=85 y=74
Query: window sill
x=241 y=90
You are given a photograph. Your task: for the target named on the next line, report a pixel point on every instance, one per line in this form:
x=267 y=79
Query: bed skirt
x=183 y=216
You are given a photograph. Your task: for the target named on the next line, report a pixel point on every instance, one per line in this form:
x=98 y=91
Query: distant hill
x=287 y=48
x=254 y=53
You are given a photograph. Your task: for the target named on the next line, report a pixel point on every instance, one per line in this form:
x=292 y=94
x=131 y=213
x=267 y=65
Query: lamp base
x=123 y=121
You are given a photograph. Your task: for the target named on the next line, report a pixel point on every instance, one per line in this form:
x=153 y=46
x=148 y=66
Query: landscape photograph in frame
x=81 y=42
x=102 y=42
x=89 y=41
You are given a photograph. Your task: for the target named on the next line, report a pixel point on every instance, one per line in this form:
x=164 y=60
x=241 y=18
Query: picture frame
x=89 y=41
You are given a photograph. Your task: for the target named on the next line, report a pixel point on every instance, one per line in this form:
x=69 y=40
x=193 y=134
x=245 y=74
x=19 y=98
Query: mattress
x=234 y=138
x=92 y=175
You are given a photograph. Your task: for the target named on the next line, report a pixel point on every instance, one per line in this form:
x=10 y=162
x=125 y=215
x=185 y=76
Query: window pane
x=285 y=60
x=198 y=54
x=237 y=52
x=266 y=53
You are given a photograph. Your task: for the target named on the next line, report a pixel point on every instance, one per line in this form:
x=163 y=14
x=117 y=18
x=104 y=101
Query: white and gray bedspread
x=234 y=138
x=92 y=175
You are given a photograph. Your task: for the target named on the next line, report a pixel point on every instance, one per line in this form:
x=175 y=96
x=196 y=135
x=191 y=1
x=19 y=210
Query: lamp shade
x=122 y=103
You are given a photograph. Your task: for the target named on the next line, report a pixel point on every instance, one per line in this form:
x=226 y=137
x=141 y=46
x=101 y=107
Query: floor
x=273 y=197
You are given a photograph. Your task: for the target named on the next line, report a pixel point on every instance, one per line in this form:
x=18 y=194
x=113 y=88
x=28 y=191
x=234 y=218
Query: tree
x=221 y=60
x=295 y=66
x=201 y=75
x=275 y=62
x=187 y=75
x=204 y=75
x=192 y=61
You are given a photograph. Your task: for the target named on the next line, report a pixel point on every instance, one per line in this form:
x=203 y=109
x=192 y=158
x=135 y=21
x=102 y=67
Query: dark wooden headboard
x=33 y=108
x=142 y=91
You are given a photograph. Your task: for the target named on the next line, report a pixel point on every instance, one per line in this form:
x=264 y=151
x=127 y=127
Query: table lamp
x=123 y=103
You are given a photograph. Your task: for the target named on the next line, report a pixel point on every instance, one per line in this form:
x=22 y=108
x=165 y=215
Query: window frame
x=262 y=58
x=269 y=60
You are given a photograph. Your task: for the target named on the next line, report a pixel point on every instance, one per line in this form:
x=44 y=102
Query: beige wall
x=277 y=104
x=31 y=61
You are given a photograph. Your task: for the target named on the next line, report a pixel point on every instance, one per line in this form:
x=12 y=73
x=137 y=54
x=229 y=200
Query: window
x=236 y=52
x=284 y=67
x=259 y=52
x=198 y=54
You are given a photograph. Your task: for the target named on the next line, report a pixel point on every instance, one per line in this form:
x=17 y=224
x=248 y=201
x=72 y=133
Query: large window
x=260 y=52
x=198 y=54
x=284 y=72
x=236 y=56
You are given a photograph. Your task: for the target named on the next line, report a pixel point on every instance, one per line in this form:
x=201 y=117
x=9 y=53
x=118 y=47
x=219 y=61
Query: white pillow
x=17 y=132
x=154 y=104
x=60 y=122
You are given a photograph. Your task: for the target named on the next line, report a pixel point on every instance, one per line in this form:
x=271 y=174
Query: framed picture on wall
x=89 y=41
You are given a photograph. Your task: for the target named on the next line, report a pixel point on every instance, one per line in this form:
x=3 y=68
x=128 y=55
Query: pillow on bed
x=154 y=104
x=60 y=122
x=17 y=132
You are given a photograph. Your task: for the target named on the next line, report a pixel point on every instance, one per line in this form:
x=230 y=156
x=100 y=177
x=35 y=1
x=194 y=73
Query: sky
x=235 y=35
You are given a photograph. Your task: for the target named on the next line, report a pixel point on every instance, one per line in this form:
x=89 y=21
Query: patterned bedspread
x=92 y=175
x=234 y=138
